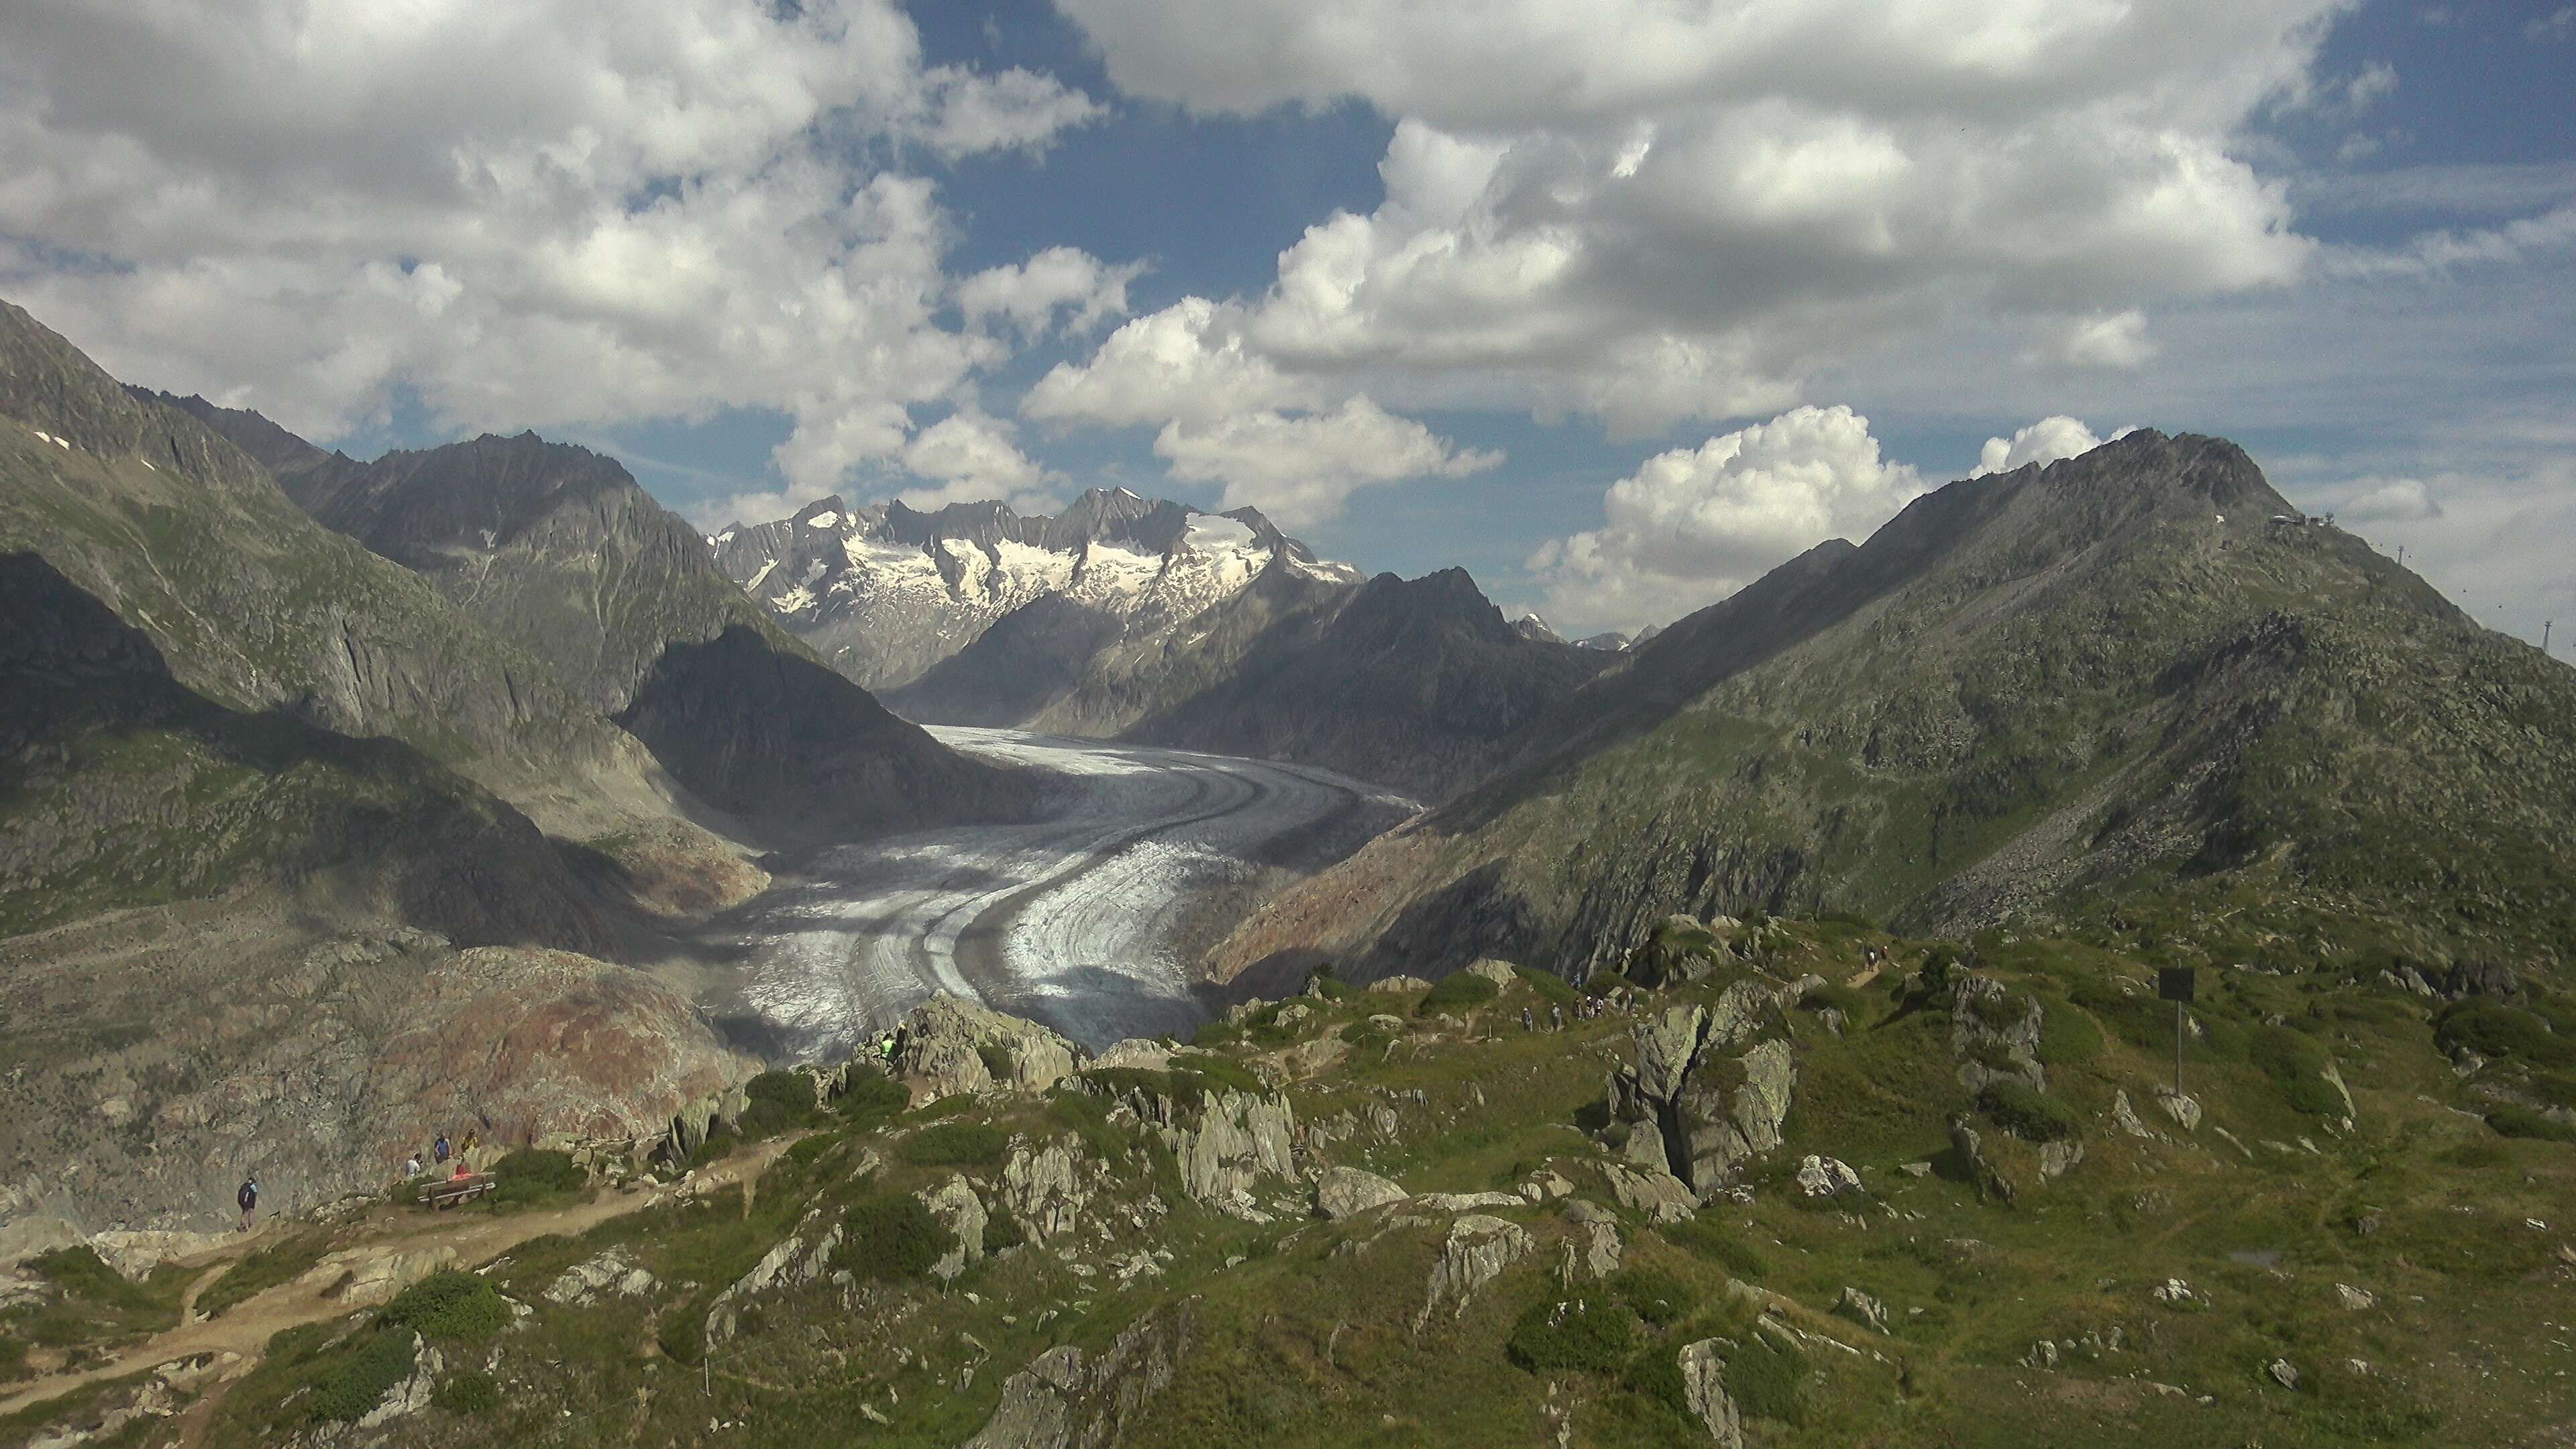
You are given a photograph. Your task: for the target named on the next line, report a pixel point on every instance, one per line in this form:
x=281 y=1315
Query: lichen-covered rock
x=1341 y=1192
x=1662 y=1197
x=2126 y=1116
x=1235 y=1142
x=363 y=1276
x=611 y=1274
x=959 y=1210
x=1395 y=984
x=1995 y=1036
x=946 y=1042
x=1599 y=1235
x=2183 y=1109
x=1475 y=1253
x=1826 y=1177
x=1862 y=1308
x=1043 y=1188
x=1690 y=1110
x=1704 y=1389
x=2056 y=1159
x=1498 y=972
x=1069 y=1399
x=795 y=1260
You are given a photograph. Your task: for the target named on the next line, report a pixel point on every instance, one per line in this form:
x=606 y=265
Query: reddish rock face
x=517 y=1044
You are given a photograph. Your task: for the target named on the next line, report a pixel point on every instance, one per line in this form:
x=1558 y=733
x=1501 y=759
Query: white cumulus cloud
x=1694 y=525
x=1650 y=213
x=551 y=213
x=1299 y=468
x=2046 y=441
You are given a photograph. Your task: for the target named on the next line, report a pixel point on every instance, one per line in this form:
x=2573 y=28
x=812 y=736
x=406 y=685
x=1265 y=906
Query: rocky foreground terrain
x=315 y=840
x=1795 y=1183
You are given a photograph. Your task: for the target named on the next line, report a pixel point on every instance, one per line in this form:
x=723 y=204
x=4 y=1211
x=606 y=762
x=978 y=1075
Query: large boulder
x=1236 y=1141
x=1704 y=1389
x=1341 y=1192
x=1692 y=1111
x=961 y=1212
x=953 y=1046
x=1474 y=1254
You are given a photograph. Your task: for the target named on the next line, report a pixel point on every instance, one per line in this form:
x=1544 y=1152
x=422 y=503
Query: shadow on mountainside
x=778 y=738
x=123 y=787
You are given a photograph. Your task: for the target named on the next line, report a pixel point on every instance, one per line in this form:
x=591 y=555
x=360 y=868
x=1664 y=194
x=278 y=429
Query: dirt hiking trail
x=477 y=1237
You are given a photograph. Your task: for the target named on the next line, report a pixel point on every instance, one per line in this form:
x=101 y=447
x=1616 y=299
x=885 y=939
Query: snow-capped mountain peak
x=885 y=590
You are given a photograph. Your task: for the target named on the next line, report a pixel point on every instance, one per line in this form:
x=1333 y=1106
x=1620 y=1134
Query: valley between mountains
x=1327 y=1011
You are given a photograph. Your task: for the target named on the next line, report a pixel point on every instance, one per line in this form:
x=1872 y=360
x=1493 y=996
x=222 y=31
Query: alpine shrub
x=1458 y=991
x=449 y=1304
x=356 y=1384
x=894 y=1238
x=954 y=1144
x=1560 y=1334
x=2027 y=1114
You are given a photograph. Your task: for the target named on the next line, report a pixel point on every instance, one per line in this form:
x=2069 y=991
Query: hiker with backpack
x=248 y=1197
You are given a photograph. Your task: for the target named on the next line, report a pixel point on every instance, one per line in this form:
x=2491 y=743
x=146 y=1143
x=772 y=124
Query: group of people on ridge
x=441 y=1153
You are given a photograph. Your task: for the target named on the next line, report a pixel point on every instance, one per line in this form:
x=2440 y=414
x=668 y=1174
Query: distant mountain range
x=885 y=592
x=1148 y=620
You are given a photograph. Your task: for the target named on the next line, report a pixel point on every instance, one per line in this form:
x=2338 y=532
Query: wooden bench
x=447 y=1192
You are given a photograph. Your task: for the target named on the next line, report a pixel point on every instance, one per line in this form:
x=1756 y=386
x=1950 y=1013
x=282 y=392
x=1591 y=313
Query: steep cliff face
x=1417 y=683
x=622 y=601
x=2031 y=695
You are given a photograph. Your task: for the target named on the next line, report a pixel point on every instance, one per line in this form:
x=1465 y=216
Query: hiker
x=465 y=1154
x=885 y=1048
x=1528 y=1023
x=411 y=1167
x=1559 y=1013
x=248 y=1197
x=439 y=1150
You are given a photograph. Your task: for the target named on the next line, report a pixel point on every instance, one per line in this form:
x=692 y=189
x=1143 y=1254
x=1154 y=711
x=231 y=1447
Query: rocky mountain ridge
x=2110 y=693
x=885 y=592
x=560 y=547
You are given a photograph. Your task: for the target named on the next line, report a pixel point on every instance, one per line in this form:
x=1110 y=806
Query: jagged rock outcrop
x=1070 y=1399
x=1600 y=1238
x=1693 y=1111
x=1970 y=1146
x=1703 y=1367
x=1043 y=1187
x=1994 y=1035
x=799 y=1258
x=1235 y=1142
x=947 y=1043
x=960 y=1211
x=1476 y=1251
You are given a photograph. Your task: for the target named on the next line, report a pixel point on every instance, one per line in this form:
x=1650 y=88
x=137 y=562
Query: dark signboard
x=2174 y=983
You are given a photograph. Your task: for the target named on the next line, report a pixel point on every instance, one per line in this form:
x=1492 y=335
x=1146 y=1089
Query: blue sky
x=1614 y=305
